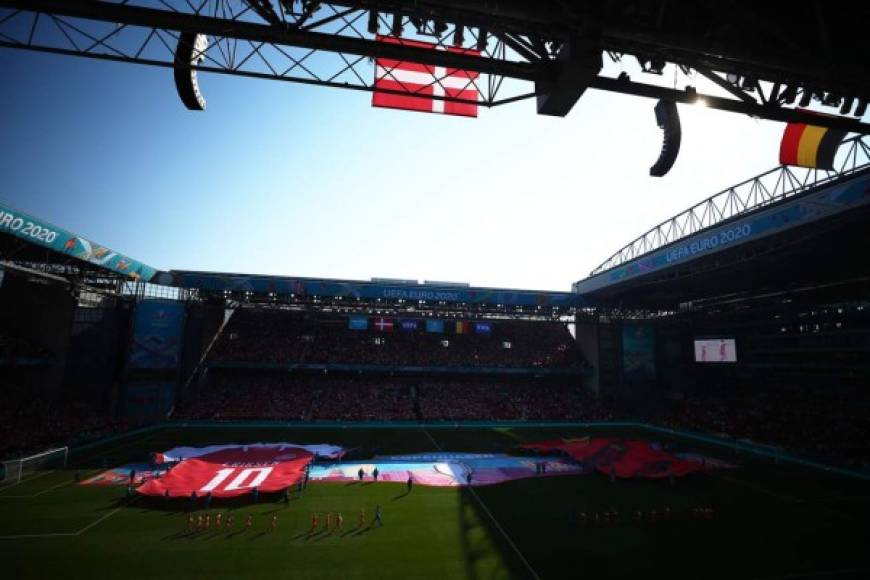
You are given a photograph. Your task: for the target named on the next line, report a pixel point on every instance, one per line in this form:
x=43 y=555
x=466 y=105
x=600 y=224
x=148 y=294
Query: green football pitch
x=769 y=520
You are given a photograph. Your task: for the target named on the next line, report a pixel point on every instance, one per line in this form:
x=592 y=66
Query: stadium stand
x=274 y=336
x=827 y=424
x=257 y=395
x=30 y=423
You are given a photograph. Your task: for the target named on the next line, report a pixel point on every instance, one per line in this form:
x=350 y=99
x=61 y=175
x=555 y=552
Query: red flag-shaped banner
x=421 y=87
x=232 y=472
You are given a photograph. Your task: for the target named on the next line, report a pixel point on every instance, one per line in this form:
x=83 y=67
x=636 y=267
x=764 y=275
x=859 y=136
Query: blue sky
x=287 y=179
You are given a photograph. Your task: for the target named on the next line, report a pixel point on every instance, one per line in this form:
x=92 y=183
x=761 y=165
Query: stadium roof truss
x=559 y=47
x=770 y=187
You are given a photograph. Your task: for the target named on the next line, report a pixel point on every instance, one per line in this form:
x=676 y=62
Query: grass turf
x=770 y=520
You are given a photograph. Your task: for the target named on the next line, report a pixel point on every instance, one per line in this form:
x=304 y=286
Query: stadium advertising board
x=157 y=329
x=715 y=350
x=638 y=352
x=803 y=210
x=30 y=229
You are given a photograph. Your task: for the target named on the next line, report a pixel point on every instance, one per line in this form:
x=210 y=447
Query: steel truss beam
x=270 y=39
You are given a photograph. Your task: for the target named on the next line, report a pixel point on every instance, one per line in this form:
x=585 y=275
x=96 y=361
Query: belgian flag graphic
x=809 y=145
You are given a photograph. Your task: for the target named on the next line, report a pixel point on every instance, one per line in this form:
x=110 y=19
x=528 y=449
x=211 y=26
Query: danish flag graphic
x=421 y=87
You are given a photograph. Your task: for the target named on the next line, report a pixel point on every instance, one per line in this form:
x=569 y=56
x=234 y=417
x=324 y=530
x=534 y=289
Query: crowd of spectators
x=274 y=336
x=345 y=397
x=17 y=348
x=830 y=424
x=31 y=424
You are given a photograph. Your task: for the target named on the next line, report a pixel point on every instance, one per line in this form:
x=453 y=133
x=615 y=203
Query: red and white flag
x=383 y=324
x=422 y=84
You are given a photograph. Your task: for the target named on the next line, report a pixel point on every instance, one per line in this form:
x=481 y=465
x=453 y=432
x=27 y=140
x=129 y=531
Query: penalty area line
x=491 y=517
x=92 y=524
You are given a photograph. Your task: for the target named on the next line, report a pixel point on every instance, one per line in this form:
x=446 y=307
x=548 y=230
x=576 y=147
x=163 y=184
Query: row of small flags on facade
x=381 y=324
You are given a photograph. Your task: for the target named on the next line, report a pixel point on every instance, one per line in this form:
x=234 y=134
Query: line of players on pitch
x=611 y=516
x=330 y=523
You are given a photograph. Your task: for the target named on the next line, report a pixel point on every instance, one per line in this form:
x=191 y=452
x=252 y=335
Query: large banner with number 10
x=233 y=471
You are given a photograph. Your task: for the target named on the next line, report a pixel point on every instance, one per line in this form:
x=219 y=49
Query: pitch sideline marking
x=492 y=517
x=67 y=534
x=22 y=536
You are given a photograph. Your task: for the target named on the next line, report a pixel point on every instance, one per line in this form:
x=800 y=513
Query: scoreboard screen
x=715 y=350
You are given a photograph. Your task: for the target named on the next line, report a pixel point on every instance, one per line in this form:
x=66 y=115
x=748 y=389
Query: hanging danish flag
x=423 y=86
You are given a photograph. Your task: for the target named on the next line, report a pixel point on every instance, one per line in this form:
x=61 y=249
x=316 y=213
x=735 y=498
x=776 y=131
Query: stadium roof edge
x=846 y=193
x=40 y=233
x=364 y=289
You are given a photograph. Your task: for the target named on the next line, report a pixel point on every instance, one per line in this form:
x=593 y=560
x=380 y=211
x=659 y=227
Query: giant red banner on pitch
x=623 y=458
x=232 y=472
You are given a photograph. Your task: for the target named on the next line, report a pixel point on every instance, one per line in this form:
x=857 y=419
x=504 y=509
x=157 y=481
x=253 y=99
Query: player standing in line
x=217 y=521
x=199 y=522
x=314 y=522
x=339 y=522
x=378 y=519
x=362 y=518
x=229 y=523
x=249 y=522
x=410 y=482
x=328 y=523
x=189 y=522
x=375 y=474
x=361 y=473
x=274 y=523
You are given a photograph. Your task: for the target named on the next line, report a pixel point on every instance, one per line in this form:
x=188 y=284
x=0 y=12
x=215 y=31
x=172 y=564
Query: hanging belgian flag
x=809 y=145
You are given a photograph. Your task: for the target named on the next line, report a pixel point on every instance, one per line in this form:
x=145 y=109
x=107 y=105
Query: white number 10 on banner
x=239 y=482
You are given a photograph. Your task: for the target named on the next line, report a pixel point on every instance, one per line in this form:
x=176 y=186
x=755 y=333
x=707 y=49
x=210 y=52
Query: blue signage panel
x=483 y=327
x=638 y=352
x=157 y=329
x=43 y=234
x=434 y=326
x=358 y=322
x=410 y=325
